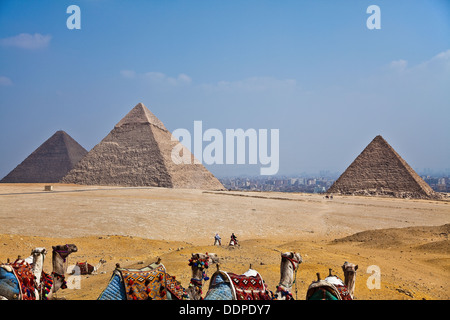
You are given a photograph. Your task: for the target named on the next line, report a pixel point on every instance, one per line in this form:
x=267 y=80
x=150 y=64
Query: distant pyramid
x=379 y=170
x=137 y=152
x=48 y=163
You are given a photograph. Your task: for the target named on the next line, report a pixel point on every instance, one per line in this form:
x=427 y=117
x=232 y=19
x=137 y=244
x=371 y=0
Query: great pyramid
x=48 y=163
x=379 y=170
x=137 y=152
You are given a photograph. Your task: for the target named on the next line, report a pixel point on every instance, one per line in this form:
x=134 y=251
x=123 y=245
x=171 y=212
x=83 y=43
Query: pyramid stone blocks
x=49 y=162
x=137 y=152
x=379 y=170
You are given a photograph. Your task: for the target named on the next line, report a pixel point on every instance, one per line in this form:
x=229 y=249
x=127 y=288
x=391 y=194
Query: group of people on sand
x=233 y=240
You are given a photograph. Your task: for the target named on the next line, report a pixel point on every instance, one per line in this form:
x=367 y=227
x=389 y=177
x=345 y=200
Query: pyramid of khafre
x=379 y=170
x=138 y=152
x=48 y=163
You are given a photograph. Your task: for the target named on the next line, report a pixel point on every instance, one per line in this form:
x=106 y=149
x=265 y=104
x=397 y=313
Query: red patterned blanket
x=249 y=287
x=26 y=279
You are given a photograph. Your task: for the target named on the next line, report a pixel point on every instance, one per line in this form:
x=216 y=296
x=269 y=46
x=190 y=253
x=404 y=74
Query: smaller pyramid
x=48 y=163
x=379 y=170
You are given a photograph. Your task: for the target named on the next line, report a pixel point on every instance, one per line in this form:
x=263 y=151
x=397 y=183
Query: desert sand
x=407 y=239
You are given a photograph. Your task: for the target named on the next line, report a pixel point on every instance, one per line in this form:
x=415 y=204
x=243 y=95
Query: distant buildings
x=440 y=184
x=279 y=184
x=310 y=184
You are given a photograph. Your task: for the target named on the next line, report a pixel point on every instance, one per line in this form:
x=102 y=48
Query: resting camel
x=290 y=262
x=198 y=263
x=86 y=268
x=43 y=285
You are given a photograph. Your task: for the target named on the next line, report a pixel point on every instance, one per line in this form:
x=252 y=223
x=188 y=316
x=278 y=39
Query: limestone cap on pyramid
x=141 y=114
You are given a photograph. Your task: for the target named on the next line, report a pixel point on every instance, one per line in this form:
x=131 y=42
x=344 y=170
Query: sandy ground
x=406 y=239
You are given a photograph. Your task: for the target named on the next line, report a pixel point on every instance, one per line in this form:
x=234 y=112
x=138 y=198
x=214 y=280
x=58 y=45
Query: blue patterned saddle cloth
x=9 y=286
x=219 y=289
x=115 y=289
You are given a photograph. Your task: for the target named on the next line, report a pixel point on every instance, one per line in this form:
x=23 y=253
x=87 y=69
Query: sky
x=311 y=69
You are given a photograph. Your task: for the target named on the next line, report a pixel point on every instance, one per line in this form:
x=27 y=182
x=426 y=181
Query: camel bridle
x=295 y=264
x=63 y=253
x=201 y=264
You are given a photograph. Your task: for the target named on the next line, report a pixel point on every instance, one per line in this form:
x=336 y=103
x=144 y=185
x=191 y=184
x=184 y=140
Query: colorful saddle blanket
x=340 y=286
x=26 y=279
x=46 y=285
x=249 y=286
x=144 y=284
x=174 y=287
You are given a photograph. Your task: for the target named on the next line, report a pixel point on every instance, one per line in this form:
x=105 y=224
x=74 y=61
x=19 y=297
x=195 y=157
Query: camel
x=59 y=256
x=86 y=268
x=154 y=283
x=228 y=286
x=349 y=270
x=47 y=285
x=100 y=264
x=332 y=287
x=290 y=262
x=36 y=261
x=198 y=263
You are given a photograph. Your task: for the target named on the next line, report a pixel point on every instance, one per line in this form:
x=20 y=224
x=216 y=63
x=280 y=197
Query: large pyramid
x=137 y=152
x=48 y=163
x=379 y=170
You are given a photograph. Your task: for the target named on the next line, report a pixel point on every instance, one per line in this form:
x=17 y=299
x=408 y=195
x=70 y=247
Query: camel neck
x=58 y=263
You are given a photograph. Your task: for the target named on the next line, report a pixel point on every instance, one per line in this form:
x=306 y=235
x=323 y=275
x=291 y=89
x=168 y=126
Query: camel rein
x=294 y=266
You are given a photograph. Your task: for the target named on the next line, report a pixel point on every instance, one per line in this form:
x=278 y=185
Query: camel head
x=350 y=276
x=65 y=250
x=288 y=271
x=199 y=262
x=213 y=258
x=66 y=247
x=203 y=260
x=291 y=260
x=349 y=268
x=38 y=251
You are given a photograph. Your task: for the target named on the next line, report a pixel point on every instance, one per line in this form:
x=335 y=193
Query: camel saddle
x=247 y=286
x=149 y=283
x=331 y=288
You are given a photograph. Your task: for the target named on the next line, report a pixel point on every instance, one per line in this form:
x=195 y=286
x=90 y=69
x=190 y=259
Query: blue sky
x=311 y=69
